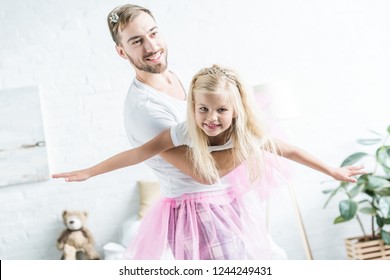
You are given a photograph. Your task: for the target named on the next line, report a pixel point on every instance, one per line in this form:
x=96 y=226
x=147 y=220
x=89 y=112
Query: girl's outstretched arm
x=160 y=143
x=296 y=154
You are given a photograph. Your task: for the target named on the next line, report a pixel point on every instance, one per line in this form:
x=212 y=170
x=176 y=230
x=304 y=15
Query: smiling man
x=156 y=99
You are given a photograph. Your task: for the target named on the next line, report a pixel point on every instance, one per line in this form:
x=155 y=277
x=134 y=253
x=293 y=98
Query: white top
x=148 y=112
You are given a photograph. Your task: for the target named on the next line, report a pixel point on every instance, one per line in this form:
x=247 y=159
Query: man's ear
x=121 y=51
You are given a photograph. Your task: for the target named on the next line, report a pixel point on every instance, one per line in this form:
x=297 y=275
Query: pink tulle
x=217 y=225
x=275 y=173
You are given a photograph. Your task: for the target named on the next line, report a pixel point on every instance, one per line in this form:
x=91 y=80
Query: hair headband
x=114 y=17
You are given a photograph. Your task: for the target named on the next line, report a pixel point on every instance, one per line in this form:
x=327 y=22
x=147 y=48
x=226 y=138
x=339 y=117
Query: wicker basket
x=358 y=249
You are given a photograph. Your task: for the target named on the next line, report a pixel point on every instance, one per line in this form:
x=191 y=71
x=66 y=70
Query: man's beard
x=154 y=69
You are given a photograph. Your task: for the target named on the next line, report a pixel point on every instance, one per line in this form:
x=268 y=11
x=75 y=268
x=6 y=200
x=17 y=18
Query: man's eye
x=137 y=42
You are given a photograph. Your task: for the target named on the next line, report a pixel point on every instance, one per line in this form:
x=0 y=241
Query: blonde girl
x=216 y=220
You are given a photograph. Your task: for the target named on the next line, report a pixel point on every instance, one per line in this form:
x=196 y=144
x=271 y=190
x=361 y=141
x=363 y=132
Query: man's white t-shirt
x=148 y=112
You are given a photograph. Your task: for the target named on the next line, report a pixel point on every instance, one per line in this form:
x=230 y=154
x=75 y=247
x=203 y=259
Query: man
x=156 y=99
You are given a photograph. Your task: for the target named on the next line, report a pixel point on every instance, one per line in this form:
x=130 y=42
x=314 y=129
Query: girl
x=220 y=220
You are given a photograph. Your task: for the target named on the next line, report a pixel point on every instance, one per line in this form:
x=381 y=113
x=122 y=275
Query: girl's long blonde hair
x=247 y=131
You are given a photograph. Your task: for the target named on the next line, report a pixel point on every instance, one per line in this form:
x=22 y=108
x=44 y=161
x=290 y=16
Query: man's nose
x=151 y=45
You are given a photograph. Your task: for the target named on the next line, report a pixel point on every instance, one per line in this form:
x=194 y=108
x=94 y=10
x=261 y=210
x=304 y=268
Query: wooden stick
x=300 y=221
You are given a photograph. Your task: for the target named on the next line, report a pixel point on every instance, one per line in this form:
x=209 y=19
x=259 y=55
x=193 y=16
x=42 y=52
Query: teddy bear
x=76 y=237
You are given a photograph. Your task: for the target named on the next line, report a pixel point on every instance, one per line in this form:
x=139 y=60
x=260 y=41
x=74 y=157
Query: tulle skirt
x=219 y=225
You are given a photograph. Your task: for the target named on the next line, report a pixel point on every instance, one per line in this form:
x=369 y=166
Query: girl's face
x=214 y=115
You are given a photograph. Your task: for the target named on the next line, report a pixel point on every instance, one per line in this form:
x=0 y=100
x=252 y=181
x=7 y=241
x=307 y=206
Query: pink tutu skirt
x=218 y=225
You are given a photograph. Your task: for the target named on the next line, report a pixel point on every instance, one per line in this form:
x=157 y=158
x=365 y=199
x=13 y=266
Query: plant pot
x=359 y=249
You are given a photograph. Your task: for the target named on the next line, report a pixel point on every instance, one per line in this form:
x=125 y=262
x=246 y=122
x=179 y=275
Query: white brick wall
x=333 y=53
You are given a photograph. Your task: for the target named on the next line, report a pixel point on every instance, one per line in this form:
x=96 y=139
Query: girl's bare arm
x=158 y=144
x=301 y=156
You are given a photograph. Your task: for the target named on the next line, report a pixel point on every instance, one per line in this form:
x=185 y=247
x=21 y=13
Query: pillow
x=128 y=230
x=113 y=251
x=149 y=191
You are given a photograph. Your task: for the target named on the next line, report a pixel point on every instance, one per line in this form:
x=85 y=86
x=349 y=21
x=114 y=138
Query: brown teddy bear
x=76 y=237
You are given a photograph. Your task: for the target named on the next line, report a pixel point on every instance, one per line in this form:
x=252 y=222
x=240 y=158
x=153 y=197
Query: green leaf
x=364 y=201
x=339 y=220
x=355 y=190
x=348 y=209
x=384 y=206
x=370 y=193
x=385 y=236
x=363 y=181
x=368 y=141
x=376 y=182
x=380 y=221
x=353 y=158
x=377 y=133
x=368 y=210
x=388 y=129
x=384 y=191
x=383 y=157
x=327 y=191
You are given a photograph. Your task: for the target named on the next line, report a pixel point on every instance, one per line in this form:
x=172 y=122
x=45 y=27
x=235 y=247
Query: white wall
x=333 y=54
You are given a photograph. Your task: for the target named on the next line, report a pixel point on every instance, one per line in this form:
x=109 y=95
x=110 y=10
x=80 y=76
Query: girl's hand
x=345 y=173
x=74 y=176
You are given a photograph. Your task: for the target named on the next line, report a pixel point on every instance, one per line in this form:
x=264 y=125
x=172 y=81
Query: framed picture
x=23 y=156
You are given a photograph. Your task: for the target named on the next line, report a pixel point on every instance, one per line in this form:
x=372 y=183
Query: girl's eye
x=221 y=110
x=203 y=109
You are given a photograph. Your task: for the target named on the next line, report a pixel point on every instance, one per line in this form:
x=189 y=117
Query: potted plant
x=370 y=195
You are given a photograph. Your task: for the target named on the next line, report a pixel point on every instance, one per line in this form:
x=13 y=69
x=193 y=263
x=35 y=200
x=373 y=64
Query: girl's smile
x=212 y=126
